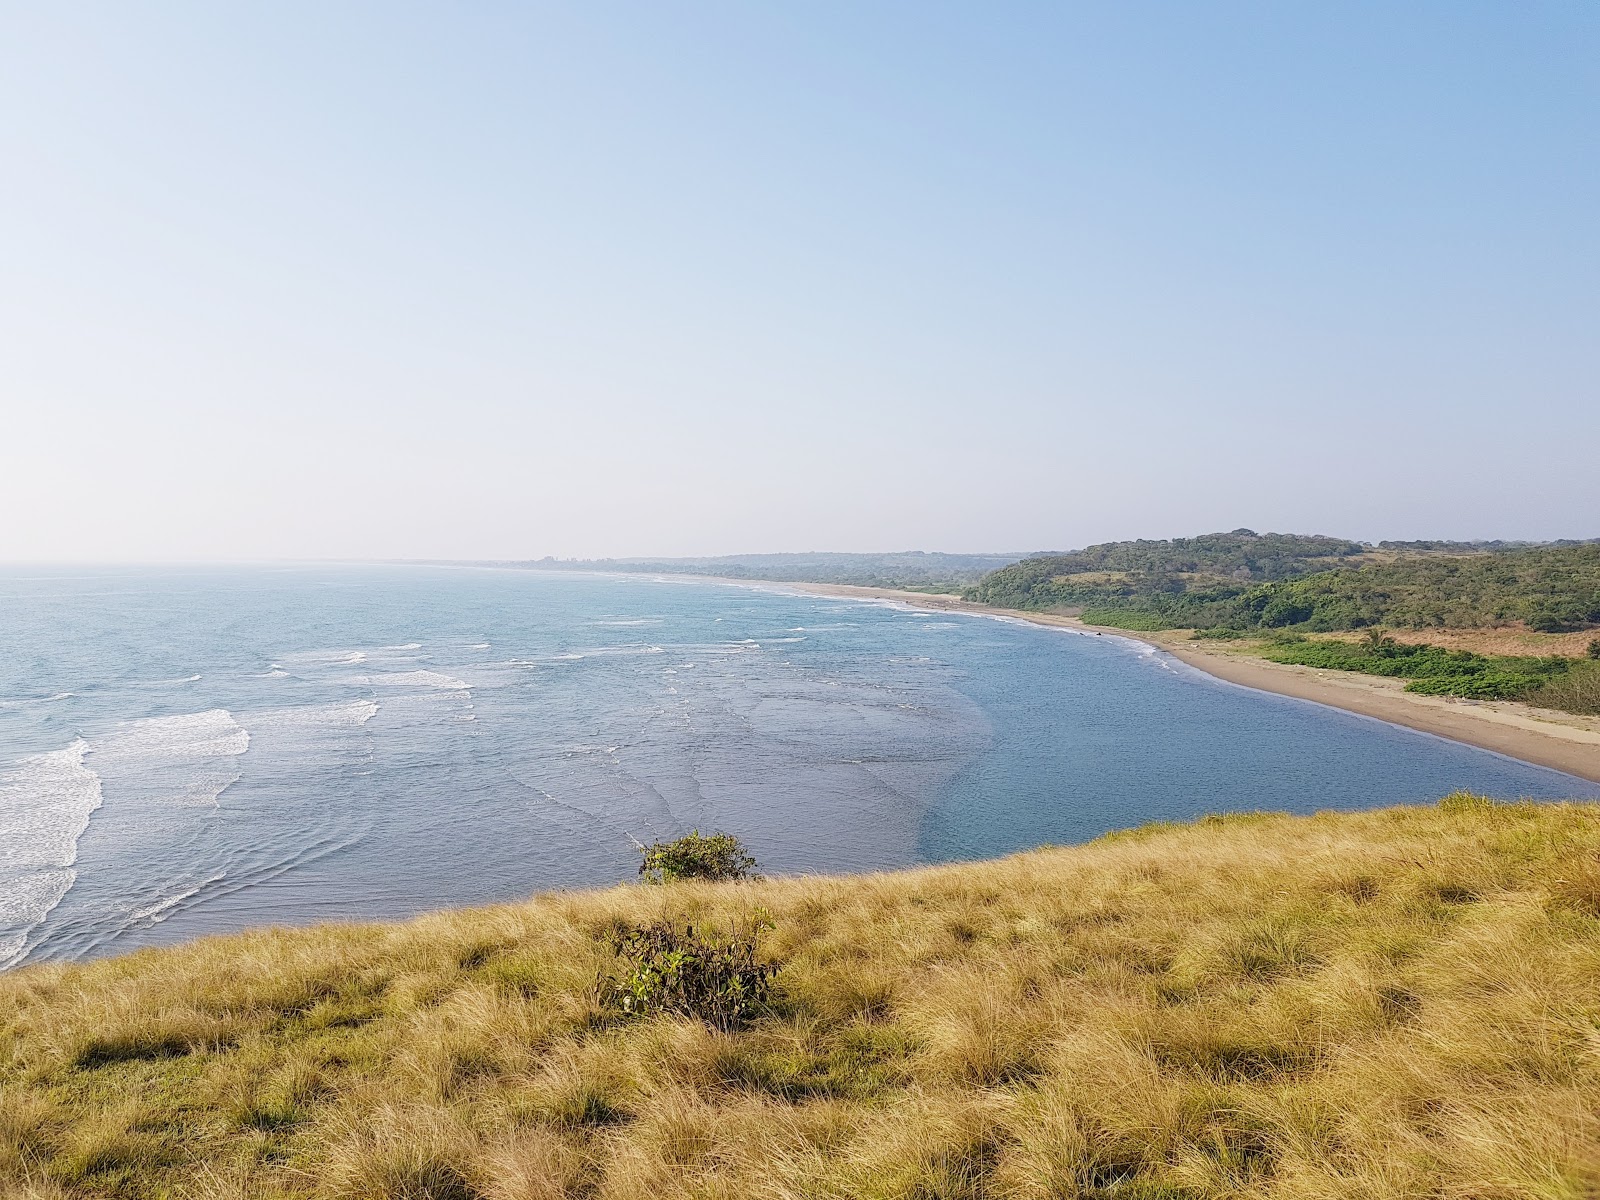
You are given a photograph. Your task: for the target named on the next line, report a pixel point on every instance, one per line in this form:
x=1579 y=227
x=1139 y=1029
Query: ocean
x=192 y=750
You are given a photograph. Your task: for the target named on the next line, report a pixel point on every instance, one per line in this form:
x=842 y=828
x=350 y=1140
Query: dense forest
x=1549 y=588
x=1182 y=582
x=1244 y=581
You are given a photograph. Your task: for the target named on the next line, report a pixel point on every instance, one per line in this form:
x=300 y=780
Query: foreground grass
x=1398 y=1003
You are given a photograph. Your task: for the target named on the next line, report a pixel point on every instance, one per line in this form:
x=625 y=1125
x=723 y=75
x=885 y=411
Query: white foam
x=191 y=735
x=24 y=701
x=427 y=679
x=45 y=803
x=154 y=914
x=635 y=621
x=189 y=760
x=322 y=658
x=407 y=646
x=340 y=713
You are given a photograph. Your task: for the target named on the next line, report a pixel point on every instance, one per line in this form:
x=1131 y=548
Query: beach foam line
x=45 y=805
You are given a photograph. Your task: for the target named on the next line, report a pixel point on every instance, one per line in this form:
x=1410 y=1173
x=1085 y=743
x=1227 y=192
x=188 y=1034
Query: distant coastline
x=1561 y=741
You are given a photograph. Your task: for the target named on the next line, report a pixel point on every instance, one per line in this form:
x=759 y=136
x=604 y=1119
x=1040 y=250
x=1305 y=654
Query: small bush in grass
x=715 y=856
x=667 y=969
x=1594 y=648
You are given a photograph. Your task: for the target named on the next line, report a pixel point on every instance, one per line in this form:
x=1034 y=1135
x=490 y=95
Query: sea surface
x=186 y=751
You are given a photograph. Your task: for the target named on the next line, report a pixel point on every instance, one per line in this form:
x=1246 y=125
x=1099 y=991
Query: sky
x=300 y=280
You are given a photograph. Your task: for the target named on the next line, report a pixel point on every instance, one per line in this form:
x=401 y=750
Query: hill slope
x=1150 y=578
x=1244 y=580
x=1394 y=1003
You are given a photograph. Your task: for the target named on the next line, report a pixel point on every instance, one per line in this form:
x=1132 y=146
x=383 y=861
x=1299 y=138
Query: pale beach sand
x=1562 y=741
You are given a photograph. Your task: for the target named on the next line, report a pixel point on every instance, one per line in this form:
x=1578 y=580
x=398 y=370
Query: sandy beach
x=1563 y=741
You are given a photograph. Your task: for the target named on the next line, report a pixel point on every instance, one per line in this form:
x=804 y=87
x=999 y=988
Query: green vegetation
x=1154 y=581
x=718 y=857
x=1384 y=1004
x=665 y=969
x=1131 y=619
x=1244 y=581
x=1552 y=589
x=1432 y=670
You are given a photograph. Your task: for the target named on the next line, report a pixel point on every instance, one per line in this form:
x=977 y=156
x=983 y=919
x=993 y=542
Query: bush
x=1594 y=648
x=1489 y=685
x=1432 y=670
x=717 y=856
x=665 y=969
x=1125 y=618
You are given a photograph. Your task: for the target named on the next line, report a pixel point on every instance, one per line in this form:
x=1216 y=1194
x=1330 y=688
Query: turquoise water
x=184 y=751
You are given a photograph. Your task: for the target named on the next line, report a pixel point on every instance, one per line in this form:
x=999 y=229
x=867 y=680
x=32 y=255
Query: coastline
x=1561 y=741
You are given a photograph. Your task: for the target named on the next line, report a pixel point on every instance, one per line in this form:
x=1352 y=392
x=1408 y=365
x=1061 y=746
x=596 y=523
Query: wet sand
x=1559 y=740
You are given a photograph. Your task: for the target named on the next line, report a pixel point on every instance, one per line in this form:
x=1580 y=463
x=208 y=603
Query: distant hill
x=1157 y=579
x=1245 y=580
x=916 y=569
x=1549 y=588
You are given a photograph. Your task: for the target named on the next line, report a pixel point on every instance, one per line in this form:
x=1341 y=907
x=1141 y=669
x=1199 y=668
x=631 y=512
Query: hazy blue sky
x=484 y=279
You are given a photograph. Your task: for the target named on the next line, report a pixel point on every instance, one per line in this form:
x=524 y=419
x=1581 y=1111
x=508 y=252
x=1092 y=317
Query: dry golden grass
x=1514 y=640
x=1392 y=1004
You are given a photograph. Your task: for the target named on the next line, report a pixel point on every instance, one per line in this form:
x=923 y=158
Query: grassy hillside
x=1275 y=581
x=1398 y=1003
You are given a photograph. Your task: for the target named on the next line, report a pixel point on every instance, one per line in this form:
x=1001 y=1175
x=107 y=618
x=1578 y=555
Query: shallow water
x=184 y=751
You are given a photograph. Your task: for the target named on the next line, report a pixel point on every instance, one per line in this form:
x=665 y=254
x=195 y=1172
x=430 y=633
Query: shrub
x=665 y=969
x=1594 y=648
x=1433 y=670
x=717 y=856
x=1122 y=618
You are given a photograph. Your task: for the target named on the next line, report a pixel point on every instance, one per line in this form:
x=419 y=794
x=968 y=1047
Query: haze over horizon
x=422 y=281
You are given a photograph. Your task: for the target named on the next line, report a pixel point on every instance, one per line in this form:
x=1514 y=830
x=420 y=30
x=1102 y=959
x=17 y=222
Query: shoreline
x=1560 y=741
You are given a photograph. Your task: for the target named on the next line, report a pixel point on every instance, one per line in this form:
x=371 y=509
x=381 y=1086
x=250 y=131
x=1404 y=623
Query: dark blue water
x=187 y=750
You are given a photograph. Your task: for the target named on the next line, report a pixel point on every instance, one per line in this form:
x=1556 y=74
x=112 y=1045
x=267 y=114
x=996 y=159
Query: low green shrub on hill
x=717 y=978
x=717 y=857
